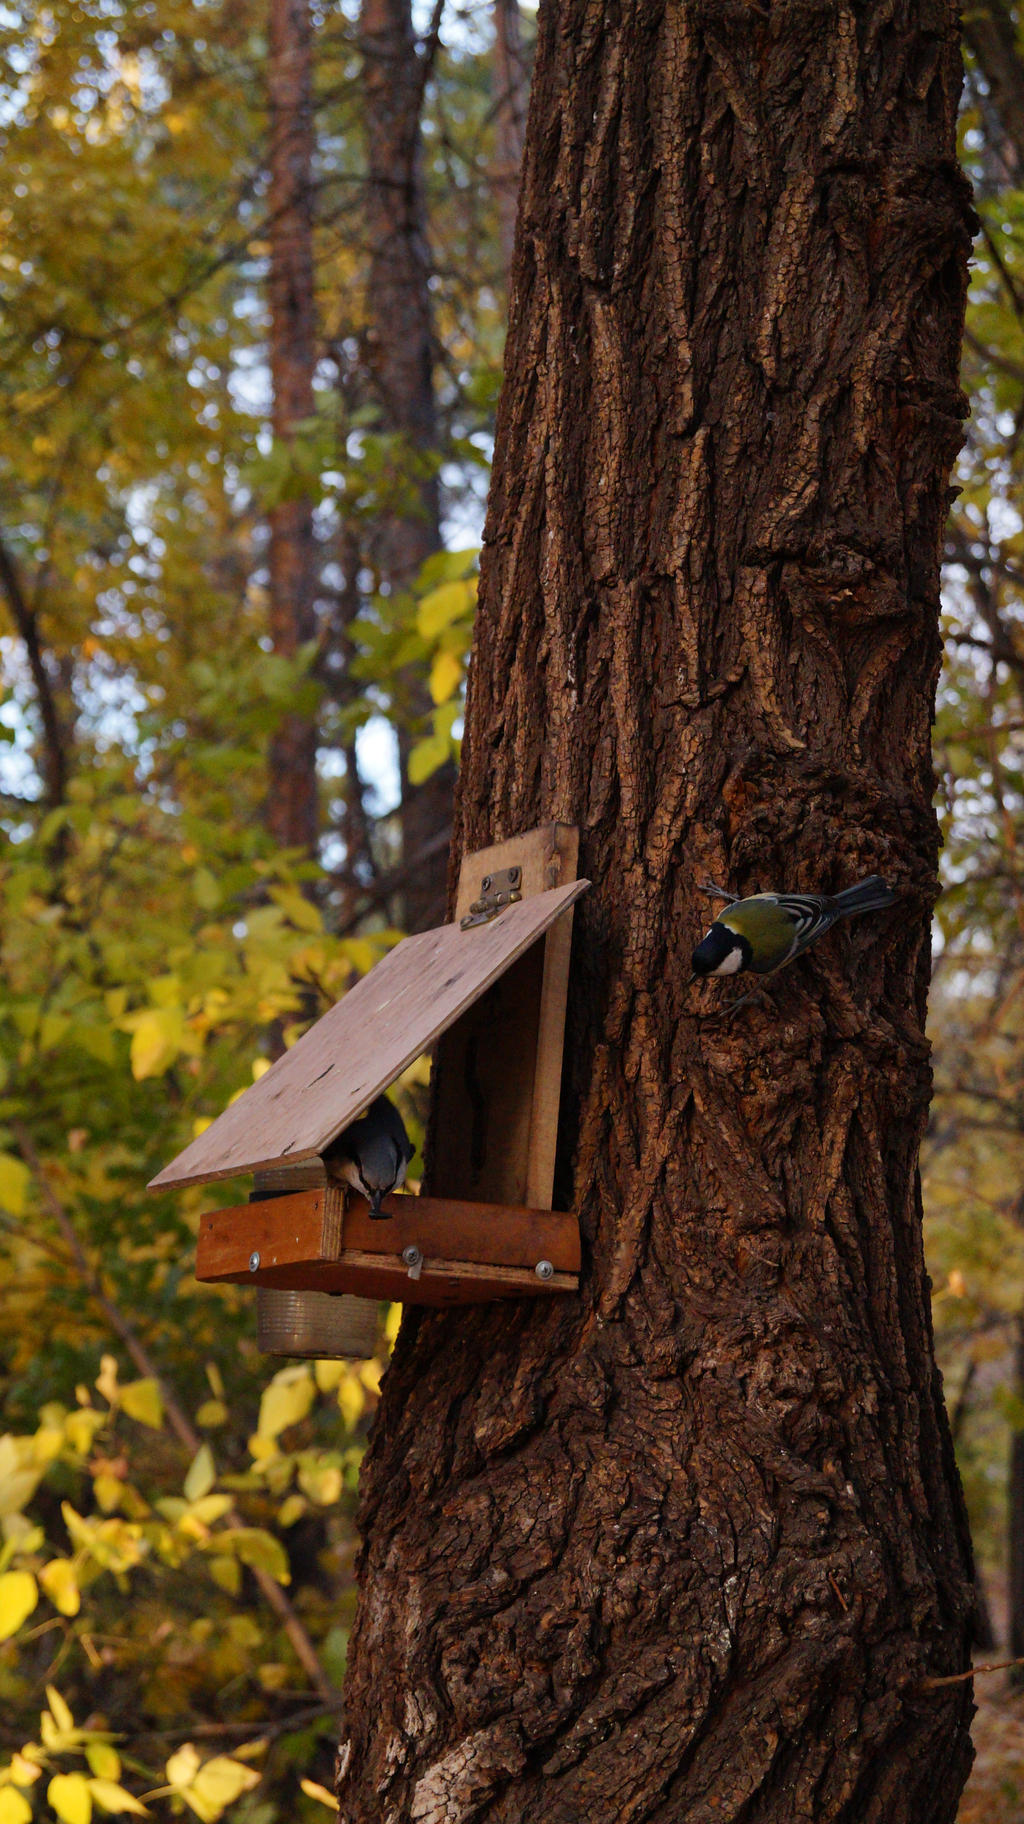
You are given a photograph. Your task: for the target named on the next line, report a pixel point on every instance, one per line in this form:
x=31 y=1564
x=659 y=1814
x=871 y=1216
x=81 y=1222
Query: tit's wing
x=811 y=914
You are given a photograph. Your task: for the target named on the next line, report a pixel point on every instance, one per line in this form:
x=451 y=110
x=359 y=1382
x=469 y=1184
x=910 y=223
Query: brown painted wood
x=441 y=1282
x=390 y=1017
x=282 y=1230
x=317 y=1227
x=499 y=1068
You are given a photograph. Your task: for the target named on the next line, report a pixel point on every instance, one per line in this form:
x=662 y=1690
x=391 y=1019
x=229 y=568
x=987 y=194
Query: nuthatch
x=372 y=1154
x=770 y=929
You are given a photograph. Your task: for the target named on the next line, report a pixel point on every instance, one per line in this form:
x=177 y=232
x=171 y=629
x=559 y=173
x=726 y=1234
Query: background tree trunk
x=400 y=355
x=511 y=92
x=292 y=802
x=687 y=1547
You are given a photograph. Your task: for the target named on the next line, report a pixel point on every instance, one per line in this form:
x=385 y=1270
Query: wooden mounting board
x=499 y=1070
x=324 y=1240
x=357 y=1049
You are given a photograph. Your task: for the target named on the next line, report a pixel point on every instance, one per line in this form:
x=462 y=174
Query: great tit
x=770 y=929
x=372 y=1154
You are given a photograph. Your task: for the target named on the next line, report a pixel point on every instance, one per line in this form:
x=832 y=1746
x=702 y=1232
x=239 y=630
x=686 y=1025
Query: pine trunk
x=292 y=800
x=400 y=353
x=687 y=1547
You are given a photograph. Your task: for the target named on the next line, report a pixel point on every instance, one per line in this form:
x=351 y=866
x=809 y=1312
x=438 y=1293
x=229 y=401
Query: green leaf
x=426 y=757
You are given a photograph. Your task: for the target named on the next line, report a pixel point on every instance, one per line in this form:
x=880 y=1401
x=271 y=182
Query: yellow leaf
x=258 y=1549
x=211 y=1413
x=22 y=1771
x=212 y=1507
x=442 y=606
x=158 y=1035
x=48 y=1443
x=321 y=1482
x=292 y=1510
x=18 y=1597
x=109 y=1492
x=106 y=1380
x=445 y=676
x=141 y=1400
x=286 y=1401
x=313 y=1791
x=19 y=1477
x=227 y=1574
x=60 y=1582
x=104 y=1760
x=81 y=1426
x=351 y=1399
x=59 y=1710
x=201 y=1475
x=15 y=1179
x=14 y=1807
x=110 y=1796
x=70 y=1797
x=328 y=1374
x=217 y=1785
x=182 y=1767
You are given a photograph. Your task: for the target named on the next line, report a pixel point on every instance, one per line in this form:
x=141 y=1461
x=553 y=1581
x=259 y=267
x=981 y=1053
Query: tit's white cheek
x=730 y=963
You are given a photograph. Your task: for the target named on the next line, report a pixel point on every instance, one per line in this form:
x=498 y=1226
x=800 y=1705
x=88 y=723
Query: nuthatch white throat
x=770 y=929
x=372 y=1154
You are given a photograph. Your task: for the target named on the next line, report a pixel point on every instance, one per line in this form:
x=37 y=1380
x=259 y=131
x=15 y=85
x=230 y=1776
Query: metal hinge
x=496 y=892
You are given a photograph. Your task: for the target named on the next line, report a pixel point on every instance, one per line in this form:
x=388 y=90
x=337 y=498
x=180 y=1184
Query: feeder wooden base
x=325 y=1240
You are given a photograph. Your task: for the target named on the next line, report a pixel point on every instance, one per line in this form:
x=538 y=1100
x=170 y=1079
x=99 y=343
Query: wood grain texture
x=685 y=1548
x=357 y=1049
x=496 y=1082
x=324 y=1239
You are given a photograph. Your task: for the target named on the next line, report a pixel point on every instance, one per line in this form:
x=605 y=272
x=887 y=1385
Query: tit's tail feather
x=867 y=896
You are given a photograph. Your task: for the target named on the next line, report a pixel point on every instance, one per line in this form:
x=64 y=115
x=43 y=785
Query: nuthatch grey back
x=372 y=1154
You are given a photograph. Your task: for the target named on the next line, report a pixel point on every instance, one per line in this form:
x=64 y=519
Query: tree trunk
x=400 y=359
x=511 y=89
x=685 y=1547
x=292 y=799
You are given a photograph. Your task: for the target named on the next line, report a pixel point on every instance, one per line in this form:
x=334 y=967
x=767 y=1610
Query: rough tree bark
x=689 y=1546
x=292 y=797
x=400 y=351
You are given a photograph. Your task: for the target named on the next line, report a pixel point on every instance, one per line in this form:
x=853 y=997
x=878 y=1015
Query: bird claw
x=717 y=892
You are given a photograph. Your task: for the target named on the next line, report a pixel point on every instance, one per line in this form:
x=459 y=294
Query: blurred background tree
x=163 y=925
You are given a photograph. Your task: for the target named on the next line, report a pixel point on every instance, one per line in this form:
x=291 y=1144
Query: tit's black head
x=713 y=950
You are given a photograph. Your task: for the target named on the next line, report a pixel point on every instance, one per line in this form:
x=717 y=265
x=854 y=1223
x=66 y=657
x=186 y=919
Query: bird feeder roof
x=391 y=1016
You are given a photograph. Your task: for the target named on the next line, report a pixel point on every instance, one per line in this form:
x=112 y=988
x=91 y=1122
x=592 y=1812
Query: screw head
x=411 y=1255
x=544 y=1270
x=254 y=1262
x=486 y=882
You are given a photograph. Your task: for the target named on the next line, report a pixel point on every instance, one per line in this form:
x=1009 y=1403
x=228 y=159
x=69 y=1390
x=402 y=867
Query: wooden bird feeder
x=488 y=993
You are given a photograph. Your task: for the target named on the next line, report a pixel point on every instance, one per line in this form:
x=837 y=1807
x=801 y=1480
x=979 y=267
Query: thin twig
x=957 y=1678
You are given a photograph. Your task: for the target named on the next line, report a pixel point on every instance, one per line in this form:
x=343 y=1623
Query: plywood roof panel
x=389 y=1018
